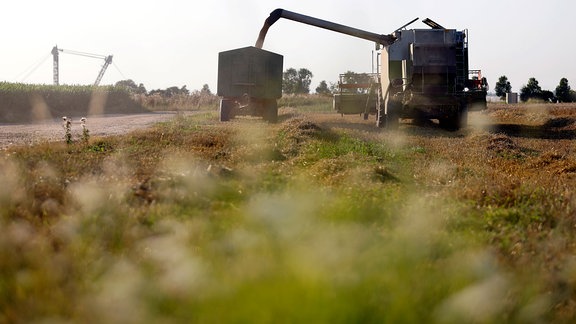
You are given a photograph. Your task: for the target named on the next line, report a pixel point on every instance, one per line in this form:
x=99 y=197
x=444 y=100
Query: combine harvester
x=424 y=75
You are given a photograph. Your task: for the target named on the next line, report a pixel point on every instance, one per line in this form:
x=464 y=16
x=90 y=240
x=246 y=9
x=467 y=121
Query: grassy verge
x=199 y=221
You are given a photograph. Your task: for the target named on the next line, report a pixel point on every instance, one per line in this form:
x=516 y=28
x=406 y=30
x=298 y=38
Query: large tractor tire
x=456 y=121
x=226 y=106
x=270 y=110
x=464 y=116
x=393 y=114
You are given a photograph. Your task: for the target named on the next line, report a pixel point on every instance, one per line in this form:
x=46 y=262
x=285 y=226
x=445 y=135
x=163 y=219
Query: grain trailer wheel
x=270 y=110
x=226 y=107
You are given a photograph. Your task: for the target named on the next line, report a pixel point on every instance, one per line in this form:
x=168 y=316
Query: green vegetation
x=300 y=221
x=308 y=103
x=502 y=87
x=296 y=81
x=172 y=98
x=21 y=103
x=563 y=91
x=31 y=102
x=532 y=91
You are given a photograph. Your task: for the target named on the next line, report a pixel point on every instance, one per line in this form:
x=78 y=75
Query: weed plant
x=198 y=221
x=67 y=125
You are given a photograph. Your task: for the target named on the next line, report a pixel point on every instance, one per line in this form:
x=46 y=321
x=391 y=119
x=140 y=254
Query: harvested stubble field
x=319 y=218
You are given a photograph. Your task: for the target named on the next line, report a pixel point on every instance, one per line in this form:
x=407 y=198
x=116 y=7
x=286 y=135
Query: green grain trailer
x=249 y=83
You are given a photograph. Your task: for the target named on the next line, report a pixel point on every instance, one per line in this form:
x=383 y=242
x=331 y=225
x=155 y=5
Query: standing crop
x=64 y=100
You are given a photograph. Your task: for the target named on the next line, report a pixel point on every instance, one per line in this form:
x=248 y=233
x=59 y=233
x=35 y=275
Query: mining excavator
x=424 y=74
x=56 y=65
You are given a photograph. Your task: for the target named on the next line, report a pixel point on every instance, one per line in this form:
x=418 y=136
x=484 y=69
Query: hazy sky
x=176 y=42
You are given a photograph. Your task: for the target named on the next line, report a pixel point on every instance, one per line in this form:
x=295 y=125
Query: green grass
x=197 y=221
x=307 y=103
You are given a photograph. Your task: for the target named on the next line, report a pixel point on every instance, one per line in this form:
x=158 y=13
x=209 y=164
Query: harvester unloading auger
x=424 y=75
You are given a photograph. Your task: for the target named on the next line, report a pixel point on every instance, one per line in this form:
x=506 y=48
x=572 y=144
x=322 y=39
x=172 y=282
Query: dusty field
x=27 y=134
x=473 y=226
x=530 y=121
x=543 y=122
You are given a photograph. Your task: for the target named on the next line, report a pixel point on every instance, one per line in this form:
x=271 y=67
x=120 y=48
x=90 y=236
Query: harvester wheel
x=380 y=109
x=464 y=116
x=450 y=123
x=457 y=120
x=226 y=106
x=393 y=114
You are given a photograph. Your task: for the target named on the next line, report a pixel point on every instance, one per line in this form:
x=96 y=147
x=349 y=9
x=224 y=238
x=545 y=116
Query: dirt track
x=26 y=134
x=556 y=122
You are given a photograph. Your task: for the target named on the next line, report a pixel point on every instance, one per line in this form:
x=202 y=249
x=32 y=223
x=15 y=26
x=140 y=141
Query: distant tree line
x=169 y=92
x=533 y=91
x=298 y=82
x=173 y=97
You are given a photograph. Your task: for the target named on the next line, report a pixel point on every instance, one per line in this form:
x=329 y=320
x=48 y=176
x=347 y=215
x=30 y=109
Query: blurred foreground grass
x=199 y=221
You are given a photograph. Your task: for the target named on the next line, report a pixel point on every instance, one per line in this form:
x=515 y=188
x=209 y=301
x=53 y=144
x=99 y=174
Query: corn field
x=31 y=102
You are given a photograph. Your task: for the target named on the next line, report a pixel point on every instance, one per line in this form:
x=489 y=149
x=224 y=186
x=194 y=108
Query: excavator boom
x=107 y=62
x=55 y=52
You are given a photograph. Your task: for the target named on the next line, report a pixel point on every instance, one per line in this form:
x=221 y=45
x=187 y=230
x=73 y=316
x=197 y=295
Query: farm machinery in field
x=249 y=83
x=423 y=74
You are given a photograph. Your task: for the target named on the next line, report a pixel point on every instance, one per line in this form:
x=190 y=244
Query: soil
x=52 y=130
x=555 y=122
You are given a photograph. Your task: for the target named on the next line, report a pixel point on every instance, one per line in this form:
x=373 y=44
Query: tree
x=289 y=80
x=296 y=82
x=356 y=78
x=131 y=86
x=206 y=90
x=305 y=77
x=323 y=88
x=141 y=89
x=549 y=96
x=563 y=91
x=531 y=91
x=171 y=91
x=184 y=91
x=503 y=87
